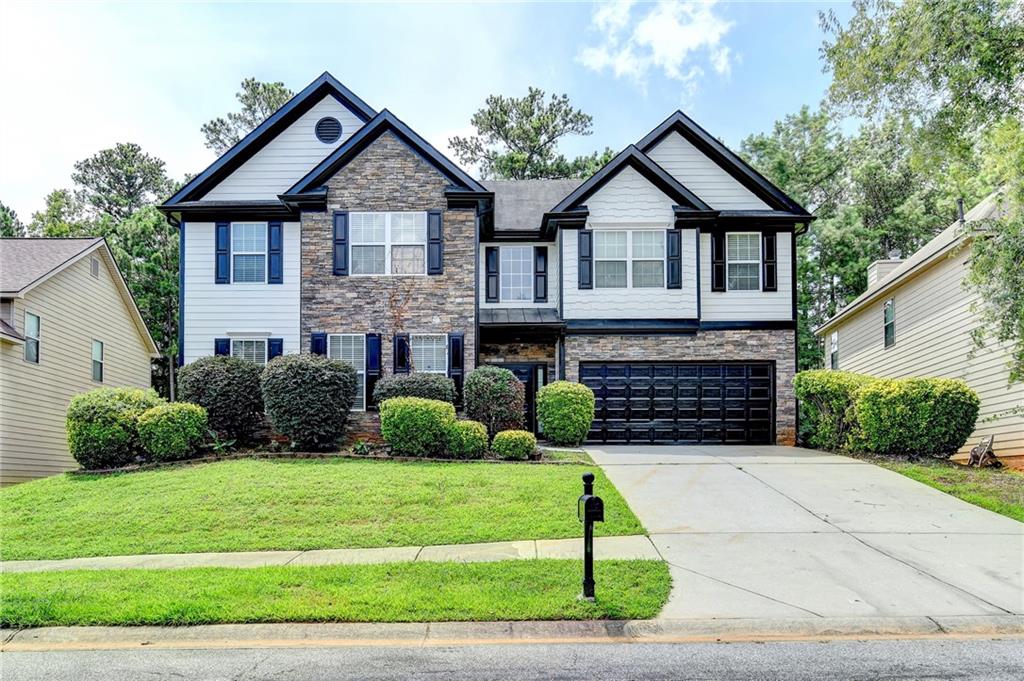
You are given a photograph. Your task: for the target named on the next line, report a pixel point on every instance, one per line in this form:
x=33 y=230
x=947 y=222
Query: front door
x=533 y=376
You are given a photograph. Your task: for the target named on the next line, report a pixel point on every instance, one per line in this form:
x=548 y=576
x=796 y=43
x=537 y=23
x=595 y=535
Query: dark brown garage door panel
x=681 y=402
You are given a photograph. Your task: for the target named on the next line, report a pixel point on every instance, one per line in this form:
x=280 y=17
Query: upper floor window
x=516 y=273
x=97 y=361
x=629 y=259
x=388 y=242
x=249 y=252
x=648 y=259
x=889 y=322
x=833 y=355
x=429 y=353
x=743 y=261
x=251 y=349
x=351 y=349
x=32 y=337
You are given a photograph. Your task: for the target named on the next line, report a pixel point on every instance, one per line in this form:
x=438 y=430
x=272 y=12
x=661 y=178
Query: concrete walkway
x=637 y=546
x=779 y=532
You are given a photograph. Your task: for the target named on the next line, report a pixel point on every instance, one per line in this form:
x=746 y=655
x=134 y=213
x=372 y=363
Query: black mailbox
x=590 y=509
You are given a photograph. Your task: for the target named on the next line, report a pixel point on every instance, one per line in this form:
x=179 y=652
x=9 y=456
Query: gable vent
x=328 y=130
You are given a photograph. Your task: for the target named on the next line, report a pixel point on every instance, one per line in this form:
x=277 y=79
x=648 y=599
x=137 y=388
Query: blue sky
x=78 y=78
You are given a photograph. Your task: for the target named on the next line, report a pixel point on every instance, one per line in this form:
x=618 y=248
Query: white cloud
x=674 y=38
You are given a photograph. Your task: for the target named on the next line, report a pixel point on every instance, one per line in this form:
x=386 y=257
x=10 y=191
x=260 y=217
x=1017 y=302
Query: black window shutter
x=223 y=256
x=275 y=348
x=435 y=243
x=275 y=249
x=222 y=346
x=491 y=265
x=340 y=243
x=674 y=252
x=456 y=362
x=373 y=365
x=717 y=261
x=769 y=262
x=540 y=274
x=318 y=343
x=402 y=357
x=586 y=259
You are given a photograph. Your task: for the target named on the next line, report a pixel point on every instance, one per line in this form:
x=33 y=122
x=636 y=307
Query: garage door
x=684 y=403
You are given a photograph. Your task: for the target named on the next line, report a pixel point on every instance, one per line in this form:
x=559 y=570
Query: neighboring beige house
x=68 y=324
x=915 y=319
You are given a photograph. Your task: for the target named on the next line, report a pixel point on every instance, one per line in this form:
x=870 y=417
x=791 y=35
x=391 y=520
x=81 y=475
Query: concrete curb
x=505 y=633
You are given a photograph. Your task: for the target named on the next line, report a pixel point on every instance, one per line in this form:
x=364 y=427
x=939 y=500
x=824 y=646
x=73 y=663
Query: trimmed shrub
x=102 y=425
x=915 y=416
x=172 y=431
x=565 y=411
x=494 y=397
x=415 y=426
x=308 y=398
x=514 y=444
x=427 y=386
x=467 y=440
x=827 y=398
x=229 y=389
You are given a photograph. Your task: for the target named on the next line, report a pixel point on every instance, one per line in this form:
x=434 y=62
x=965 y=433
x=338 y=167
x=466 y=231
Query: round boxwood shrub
x=827 y=399
x=172 y=431
x=915 y=416
x=514 y=444
x=415 y=426
x=429 y=386
x=467 y=440
x=102 y=426
x=308 y=398
x=565 y=411
x=229 y=389
x=494 y=397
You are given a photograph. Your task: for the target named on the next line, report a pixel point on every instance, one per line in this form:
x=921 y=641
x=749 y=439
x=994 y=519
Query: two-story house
x=665 y=282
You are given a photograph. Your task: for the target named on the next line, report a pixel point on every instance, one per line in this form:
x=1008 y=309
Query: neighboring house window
x=610 y=261
x=648 y=264
x=629 y=259
x=743 y=261
x=97 y=361
x=889 y=318
x=350 y=348
x=94 y=267
x=253 y=350
x=249 y=252
x=31 y=337
x=388 y=242
x=834 y=351
x=516 y=273
x=430 y=353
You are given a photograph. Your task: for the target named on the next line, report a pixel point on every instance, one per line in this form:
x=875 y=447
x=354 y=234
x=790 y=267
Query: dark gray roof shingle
x=23 y=261
x=520 y=204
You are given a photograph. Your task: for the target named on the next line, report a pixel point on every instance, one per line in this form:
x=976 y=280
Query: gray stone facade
x=520 y=353
x=710 y=346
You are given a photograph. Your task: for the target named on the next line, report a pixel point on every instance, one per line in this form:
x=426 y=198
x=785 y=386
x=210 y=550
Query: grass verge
x=254 y=505
x=395 y=592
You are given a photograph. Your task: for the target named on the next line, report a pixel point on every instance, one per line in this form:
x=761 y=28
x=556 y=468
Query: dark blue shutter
x=373 y=365
x=402 y=355
x=674 y=253
x=717 y=261
x=435 y=243
x=769 y=262
x=585 y=260
x=275 y=348
x=222 y=346
x=223 y=249
x=456 y=362
x=540 y=274
x=341 y=243
x=491 y=267
x=318 y=343
x=275 y=250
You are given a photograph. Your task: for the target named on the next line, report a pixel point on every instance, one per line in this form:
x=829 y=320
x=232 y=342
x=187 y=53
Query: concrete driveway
x=782 y=532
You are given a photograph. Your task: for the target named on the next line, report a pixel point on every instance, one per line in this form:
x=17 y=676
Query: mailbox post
x=589 y=509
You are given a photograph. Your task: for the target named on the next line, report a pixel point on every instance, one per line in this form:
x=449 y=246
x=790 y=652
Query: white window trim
x=502 y=272
x=630 y=259
x=388 y=243
x=264 y=253
x=833 y=355
x=265 y=341
x=412 y=355
x=889 y=303
x=362 y=371
x=760 y=275
x=94 y=267
x=101 y=360
x=37 y=338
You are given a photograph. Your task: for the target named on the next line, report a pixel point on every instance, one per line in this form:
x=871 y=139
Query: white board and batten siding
x=237 y=310
x=733 y=306
x=553 y=276
x=702 y=176
x=286 y=158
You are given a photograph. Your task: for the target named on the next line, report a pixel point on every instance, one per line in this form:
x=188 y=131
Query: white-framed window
x=381 y=243
x=251 y=349
x=833 y=354
x=516 y=271
x=248 y=252
x=94 y=266
x=743 y=261
x=889 y=322
x=429 y=353
x=610 y=259
x=648 y=263
x=351 y=349
x=32 y=329
x=97 y=361
x=629 y=258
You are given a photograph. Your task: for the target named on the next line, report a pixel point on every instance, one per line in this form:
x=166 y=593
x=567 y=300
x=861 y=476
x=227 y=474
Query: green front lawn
x=396 y=592
x=253 y=505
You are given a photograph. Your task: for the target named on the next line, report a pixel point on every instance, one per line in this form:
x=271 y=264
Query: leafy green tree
x=259 y=100
x=10 y=225
x=62 y=216
x=119 y=181
x=517 y=138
